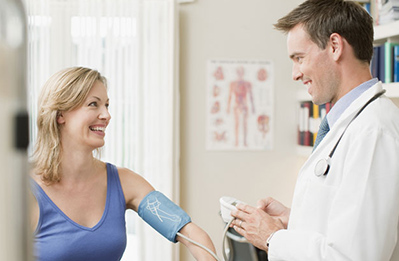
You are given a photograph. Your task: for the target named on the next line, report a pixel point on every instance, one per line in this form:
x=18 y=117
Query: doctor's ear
x=60 y=118
x=336 y=45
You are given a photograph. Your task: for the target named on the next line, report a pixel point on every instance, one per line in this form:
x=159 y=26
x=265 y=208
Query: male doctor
x=345 y=207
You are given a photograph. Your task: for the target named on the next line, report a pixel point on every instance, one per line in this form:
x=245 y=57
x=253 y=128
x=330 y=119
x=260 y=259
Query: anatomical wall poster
x=239 y=105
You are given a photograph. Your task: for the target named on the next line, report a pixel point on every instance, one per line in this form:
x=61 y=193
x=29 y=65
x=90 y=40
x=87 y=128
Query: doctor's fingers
x=242 y=211
x=248 y=218
x=239 y=216
x=245 y=208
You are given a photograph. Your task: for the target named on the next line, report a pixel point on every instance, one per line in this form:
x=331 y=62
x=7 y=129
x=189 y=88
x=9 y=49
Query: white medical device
x=323 y=165
x=227 y=204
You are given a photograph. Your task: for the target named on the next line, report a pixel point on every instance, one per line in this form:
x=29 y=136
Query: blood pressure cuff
x=163 y=215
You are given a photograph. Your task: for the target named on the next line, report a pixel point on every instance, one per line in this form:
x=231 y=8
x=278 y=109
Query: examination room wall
x=242 y=30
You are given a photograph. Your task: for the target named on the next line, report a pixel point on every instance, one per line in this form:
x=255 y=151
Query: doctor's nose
x=296 y=73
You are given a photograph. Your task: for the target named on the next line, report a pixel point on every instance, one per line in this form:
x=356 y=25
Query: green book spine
x=389 y=61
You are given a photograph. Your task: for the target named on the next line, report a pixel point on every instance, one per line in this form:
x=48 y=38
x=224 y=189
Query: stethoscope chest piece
x=322 y=167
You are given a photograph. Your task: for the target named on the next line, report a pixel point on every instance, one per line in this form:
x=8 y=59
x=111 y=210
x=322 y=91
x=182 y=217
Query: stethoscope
x=323 y=166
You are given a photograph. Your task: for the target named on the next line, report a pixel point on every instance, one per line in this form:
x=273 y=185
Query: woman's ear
x=336 y=45
x=60 y=118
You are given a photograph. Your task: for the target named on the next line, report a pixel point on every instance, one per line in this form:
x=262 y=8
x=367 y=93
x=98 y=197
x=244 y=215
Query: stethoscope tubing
x=323 y=165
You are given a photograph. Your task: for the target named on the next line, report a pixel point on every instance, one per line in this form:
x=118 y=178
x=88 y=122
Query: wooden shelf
x=386 y=32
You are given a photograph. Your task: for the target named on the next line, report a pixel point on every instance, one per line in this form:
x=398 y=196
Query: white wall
x=237 y=29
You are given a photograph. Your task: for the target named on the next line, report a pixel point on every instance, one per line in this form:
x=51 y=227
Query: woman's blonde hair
x=64 y=91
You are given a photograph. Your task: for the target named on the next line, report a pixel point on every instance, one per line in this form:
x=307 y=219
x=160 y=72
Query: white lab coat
x=352 y=213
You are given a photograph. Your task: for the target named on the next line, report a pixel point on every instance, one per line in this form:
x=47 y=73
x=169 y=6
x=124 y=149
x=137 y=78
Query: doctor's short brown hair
x=321 y=18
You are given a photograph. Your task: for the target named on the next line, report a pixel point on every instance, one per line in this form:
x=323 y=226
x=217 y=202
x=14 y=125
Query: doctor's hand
x=275 y=209
x=255 y=224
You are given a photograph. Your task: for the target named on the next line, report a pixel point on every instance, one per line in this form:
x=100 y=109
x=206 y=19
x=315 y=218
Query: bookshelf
x=382 y=33
x=388 y=33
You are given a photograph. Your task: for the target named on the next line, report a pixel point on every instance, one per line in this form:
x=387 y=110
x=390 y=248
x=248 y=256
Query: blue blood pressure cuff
x=163 y=215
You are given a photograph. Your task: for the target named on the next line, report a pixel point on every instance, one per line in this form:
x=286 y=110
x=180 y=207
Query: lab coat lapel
x=331 y=138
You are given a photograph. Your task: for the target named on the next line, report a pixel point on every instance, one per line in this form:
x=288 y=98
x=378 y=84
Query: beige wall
x=236 y=29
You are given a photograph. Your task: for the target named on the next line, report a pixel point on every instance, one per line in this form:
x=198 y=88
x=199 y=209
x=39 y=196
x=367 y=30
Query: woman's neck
x=78 y=166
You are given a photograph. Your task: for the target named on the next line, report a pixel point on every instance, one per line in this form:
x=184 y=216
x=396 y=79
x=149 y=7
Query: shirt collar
x=342 y=104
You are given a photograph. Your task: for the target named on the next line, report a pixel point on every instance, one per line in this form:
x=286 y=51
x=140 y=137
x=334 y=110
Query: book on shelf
x=374 y=64
x=366 y=5
x=383 y=63
x=389 y=58
x=315 y=122
x=396 y=63
x=384 y=11
x=388 y=11
x=310 y=116
x=308 y=112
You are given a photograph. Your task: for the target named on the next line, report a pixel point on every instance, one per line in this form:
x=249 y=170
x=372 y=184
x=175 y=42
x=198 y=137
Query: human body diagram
x=240 y=105
x=241 y=90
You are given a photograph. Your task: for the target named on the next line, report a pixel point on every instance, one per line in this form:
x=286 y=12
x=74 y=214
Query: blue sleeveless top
x=58 y=238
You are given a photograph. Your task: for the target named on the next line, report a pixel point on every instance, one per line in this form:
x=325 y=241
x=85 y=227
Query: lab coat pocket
x=316 y=205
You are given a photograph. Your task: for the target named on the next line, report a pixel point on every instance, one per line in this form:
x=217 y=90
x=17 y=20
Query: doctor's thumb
x=263 y=203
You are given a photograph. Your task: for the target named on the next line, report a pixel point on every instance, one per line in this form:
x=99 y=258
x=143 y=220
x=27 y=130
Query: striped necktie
x=323 y=129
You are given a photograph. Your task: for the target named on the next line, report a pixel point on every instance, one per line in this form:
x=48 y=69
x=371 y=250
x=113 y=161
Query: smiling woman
x=113 y=37
x=79 y=211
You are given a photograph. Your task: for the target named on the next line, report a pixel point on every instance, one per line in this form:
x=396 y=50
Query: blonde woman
x=79 y=211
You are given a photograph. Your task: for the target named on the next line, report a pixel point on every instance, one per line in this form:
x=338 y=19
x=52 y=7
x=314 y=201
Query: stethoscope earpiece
x=322 y=167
